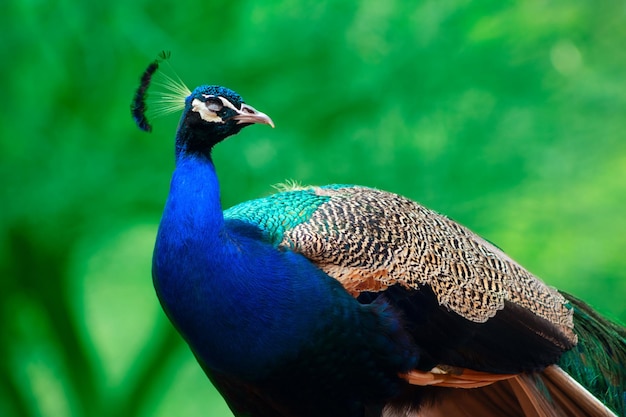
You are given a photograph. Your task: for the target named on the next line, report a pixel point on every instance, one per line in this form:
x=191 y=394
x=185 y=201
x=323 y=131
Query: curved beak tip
x=249 y=114
x=259 y=117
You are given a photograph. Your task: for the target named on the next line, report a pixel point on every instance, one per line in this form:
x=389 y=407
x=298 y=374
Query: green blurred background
x=507 y=116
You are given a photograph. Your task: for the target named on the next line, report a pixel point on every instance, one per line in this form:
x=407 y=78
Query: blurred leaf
x=110 y=271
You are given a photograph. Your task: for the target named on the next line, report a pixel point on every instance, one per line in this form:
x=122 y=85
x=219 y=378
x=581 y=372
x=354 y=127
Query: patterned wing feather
x=370 y=240
x=467 y=304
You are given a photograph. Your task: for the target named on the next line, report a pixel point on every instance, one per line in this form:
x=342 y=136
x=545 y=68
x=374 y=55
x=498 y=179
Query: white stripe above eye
x=224 y=101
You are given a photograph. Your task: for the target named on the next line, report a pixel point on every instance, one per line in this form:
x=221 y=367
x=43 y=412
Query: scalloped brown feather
x=370 y=240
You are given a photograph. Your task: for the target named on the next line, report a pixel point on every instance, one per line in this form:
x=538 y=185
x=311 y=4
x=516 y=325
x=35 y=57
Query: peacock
x=349 y=301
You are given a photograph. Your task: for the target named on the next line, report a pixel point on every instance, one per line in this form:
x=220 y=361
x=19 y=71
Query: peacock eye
x=214 y=105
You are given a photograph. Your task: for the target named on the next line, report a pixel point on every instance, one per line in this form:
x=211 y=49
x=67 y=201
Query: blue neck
x=229 y=293
x=190 y=237
x=194 y=199
x=253 y=312
x=192 y=225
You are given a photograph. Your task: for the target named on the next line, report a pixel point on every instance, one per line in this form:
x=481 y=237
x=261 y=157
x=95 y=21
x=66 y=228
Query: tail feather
x=598 y=361
x=515 y=397
x=589 y=381
x=572 y=397
x=532 y=401
x=550 y=393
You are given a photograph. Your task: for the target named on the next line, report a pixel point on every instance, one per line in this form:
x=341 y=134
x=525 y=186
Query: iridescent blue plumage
x=251 y=312
x=352 y=302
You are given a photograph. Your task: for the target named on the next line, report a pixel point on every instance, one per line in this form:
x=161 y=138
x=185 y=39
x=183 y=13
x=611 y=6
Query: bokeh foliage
x=507 y=116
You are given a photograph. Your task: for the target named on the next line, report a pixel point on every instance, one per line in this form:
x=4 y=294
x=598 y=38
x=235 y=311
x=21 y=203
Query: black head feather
x=138 y=106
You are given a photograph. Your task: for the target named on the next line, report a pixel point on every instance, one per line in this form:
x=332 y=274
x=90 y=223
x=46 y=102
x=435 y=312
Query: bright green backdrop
x=507 y=116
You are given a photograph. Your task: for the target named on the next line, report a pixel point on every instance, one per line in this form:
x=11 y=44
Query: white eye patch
x=205 y=113
x=208 y=109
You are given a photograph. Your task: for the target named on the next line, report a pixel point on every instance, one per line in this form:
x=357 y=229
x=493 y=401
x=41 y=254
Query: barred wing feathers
x=480 y=318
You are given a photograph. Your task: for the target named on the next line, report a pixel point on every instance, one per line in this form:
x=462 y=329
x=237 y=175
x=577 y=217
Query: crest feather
x=289 y=185
x=171 y=99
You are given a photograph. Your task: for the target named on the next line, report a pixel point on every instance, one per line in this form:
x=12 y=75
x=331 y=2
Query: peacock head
x=211 y=114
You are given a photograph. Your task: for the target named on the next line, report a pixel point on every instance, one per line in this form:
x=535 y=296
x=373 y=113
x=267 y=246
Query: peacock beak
x=248 y=114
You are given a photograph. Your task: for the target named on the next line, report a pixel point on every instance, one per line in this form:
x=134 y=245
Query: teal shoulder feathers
x=278 y=213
